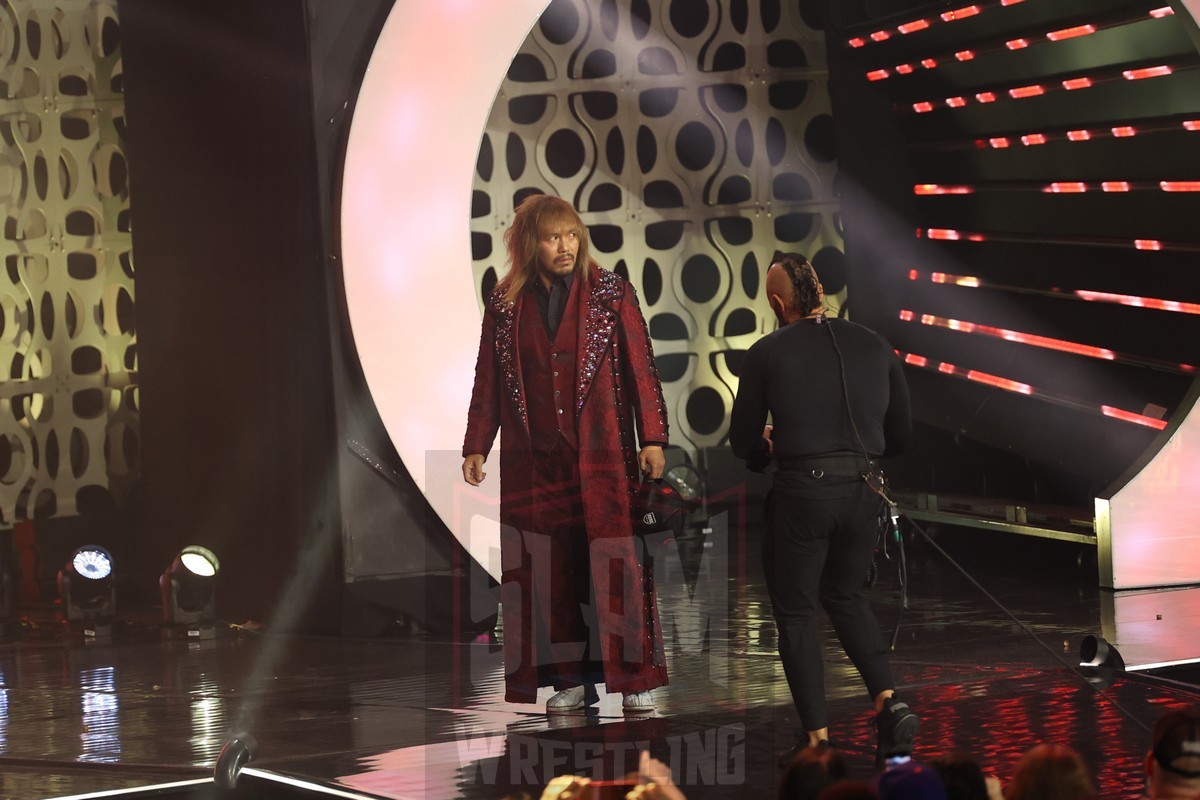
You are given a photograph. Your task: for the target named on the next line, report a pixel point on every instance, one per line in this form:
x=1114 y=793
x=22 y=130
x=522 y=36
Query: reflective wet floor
x=415 y=717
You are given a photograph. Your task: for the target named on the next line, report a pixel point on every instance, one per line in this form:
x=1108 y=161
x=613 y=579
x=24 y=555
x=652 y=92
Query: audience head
x=813 y=769
x=1173 y=764
x=1050 y=772
x=910 y=781
x=962 y=776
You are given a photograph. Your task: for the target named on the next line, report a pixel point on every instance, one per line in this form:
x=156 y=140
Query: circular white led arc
x=405 y=216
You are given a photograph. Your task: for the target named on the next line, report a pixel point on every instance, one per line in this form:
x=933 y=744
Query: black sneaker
x=896 y=726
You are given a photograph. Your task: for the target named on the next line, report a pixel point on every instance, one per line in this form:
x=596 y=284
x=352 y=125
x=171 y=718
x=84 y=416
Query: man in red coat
x=566 y=374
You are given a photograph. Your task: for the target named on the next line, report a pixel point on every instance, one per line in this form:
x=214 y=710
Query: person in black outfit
x=838 y=401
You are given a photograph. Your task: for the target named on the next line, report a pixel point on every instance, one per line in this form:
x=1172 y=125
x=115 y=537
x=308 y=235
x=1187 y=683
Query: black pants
x=821 y=533
x=567 y=601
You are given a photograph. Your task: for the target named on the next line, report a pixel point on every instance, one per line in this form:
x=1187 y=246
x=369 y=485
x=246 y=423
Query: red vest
x=548 y=373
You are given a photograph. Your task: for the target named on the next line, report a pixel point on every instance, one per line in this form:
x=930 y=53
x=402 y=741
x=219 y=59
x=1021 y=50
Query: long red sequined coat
x=617 y=393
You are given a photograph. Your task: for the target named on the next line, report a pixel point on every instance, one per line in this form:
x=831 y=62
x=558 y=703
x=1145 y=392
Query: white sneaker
x=567 y=700
x=638 y=701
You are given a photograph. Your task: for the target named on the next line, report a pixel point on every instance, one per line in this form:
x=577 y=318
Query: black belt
x=839 y=465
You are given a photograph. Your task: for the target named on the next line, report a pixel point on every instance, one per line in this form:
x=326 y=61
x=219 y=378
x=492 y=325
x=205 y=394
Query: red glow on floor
x=1076 y=83
x=913 y=27
x=1079 y=136
x=916 y=360
x=1026 y=91
x=1139 y=302
x=1016 y=44
x=1147 y=244
x=928 y=63
x=1129 y=416
x=1146 y=72
x=1159 y=13
x=878 y=74
x=976 y=237
x=986 y=97
x=1124 y=130
x=956 y=102
x=964 y=55
x=857 y=42
x=937 y=188
x=1179 y=186
x=1192 y=125
x=999 y=141
x=1033 y=138
x=1066 y=187
x=961 y=13
x=913 y=274
x=921 y=108
x=1115 y=186
x=1071 y=33
x=906 y=315
x=904 y=69
x=879 y=36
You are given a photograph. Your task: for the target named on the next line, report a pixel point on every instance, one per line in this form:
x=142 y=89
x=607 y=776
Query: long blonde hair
x=537 y=214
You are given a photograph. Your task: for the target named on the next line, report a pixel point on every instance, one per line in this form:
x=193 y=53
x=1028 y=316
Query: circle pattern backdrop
x=68 y=343
x=695 y=138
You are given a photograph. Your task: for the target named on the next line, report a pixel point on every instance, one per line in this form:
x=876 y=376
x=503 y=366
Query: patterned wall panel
x=695 y=137
x=68 y=397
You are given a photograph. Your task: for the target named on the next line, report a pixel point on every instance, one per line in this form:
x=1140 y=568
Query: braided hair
x=806 y=286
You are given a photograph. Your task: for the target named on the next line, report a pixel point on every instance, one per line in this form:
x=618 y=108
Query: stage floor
x=418 y=718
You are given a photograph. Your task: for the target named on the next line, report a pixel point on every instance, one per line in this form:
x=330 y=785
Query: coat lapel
x=596 y=325
x=510 y=357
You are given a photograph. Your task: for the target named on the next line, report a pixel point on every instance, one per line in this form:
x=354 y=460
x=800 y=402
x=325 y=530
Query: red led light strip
x=1056 y=187
x=1136 y=419
x=1038 y=89
x=918 y=25
x=966 y=12
x=1031 y=339
x=1138 y=302
x=1058 y=35
x=954 y=235
x=1077 y=294
x=1017 y=387
x=972 y=282
x=1045 y=342
x=1144 y=126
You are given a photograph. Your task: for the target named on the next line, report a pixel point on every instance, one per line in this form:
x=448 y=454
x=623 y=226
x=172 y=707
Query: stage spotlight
x=189 y=592
x=1095 y=652
x=87 y=590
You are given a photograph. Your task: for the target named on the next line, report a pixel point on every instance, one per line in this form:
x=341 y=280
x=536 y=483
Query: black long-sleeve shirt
x=793 y=373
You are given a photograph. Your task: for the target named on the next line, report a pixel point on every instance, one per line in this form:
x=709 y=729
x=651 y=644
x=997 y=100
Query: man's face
x=557 y=251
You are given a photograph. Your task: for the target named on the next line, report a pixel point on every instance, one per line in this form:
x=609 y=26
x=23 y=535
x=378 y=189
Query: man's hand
x=652 y=461
x=654 y=781
x=473 y=469
x=567 y=787
x=767 y=431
